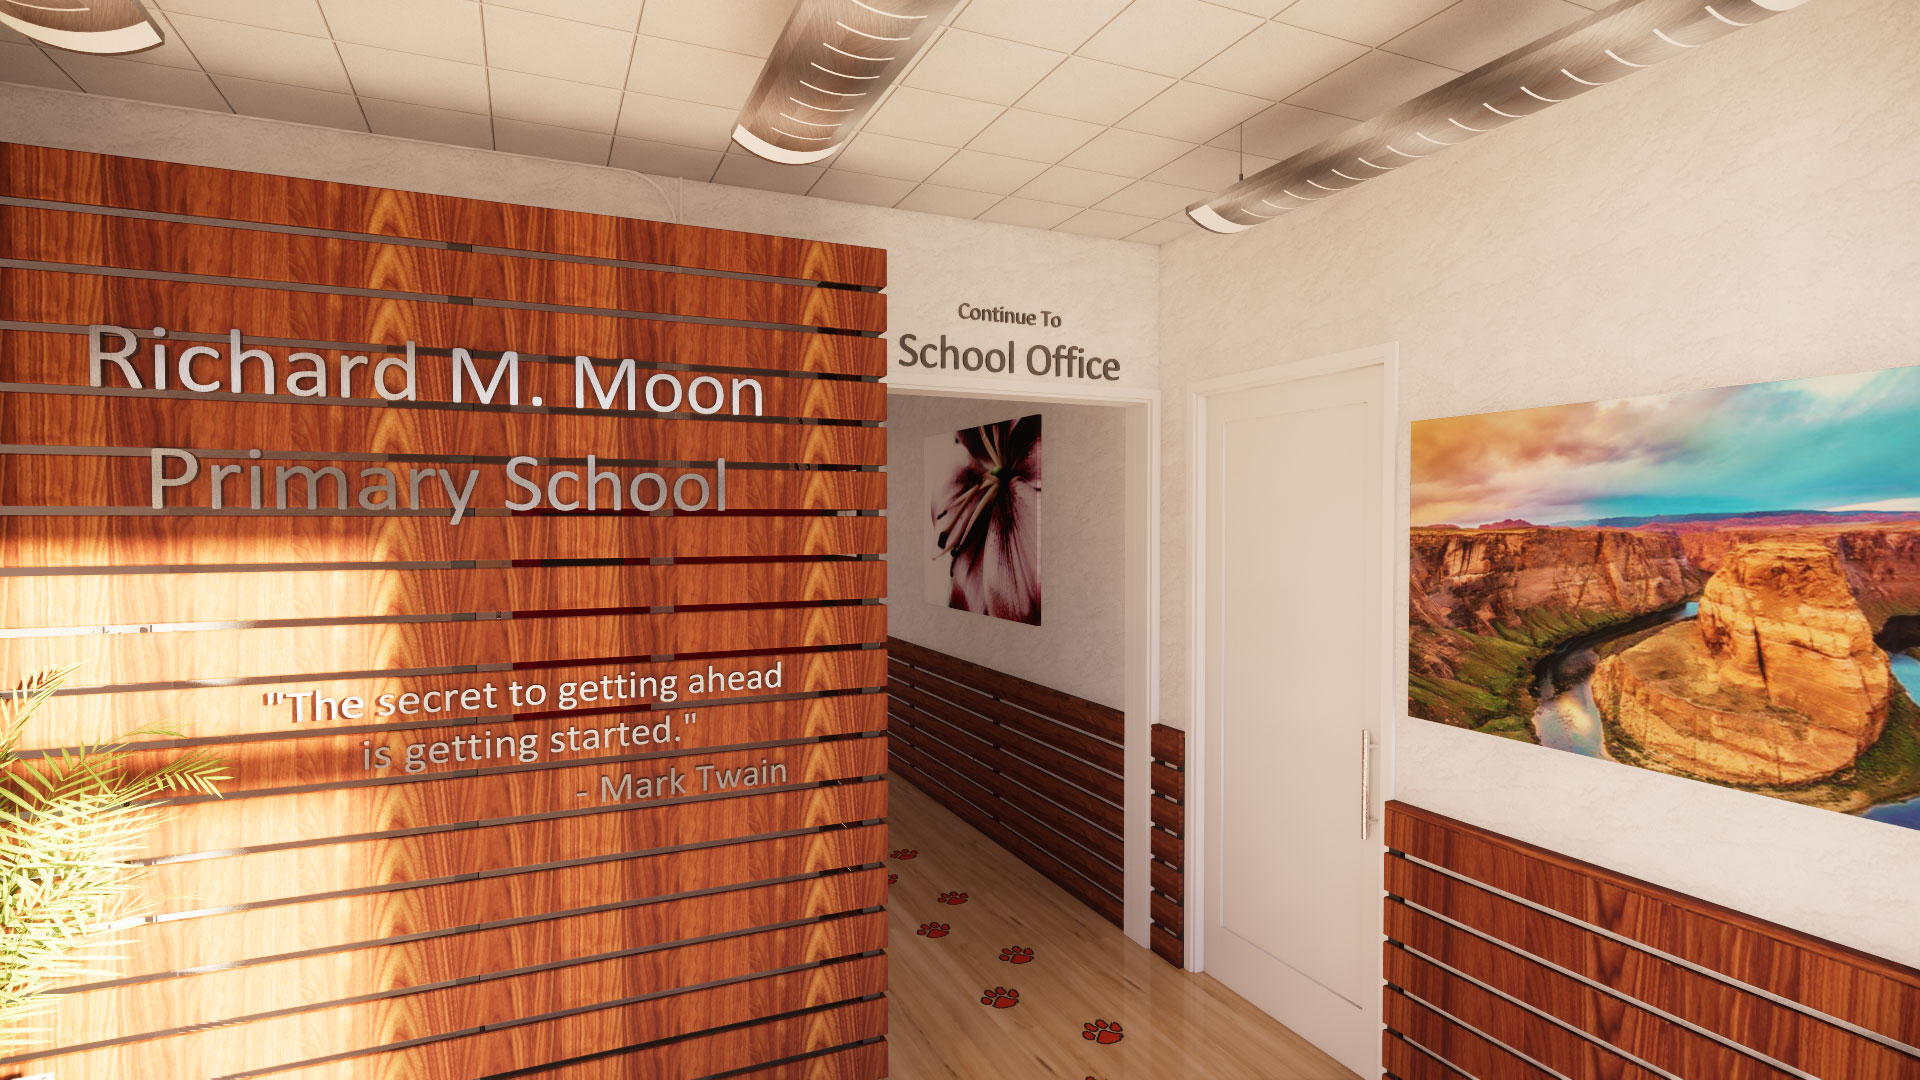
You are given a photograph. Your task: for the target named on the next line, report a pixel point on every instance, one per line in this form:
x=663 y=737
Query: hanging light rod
x=1595 y=51
x=831 y=64
x=88 y=26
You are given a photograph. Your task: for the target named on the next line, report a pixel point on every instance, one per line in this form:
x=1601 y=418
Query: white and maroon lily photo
x=984 y=520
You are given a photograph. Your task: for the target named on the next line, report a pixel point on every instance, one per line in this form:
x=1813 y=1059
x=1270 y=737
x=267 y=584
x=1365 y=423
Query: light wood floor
x=1175 y=1025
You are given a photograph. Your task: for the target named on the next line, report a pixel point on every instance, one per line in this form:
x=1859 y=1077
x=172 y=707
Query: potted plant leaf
x=70 y=822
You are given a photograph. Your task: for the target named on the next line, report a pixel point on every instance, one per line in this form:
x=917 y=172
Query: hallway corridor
x=955 y=1013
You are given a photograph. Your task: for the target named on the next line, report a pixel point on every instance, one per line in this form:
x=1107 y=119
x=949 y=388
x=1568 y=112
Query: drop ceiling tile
x=1266 y=9
x=913 y=113
x=1075 y=187
x=1275 y=61
x=676 y=69
x=683 y=123
x=28 y=66
x=408 y=121
x=980 y=67
x=544 y=140
x=619 y=14
x=952 y=202
x=1151 y=199
x=854 y=187
x=297 y=104
x=884 y=155
x=142 y=82
x=1472 y=32
x=1034 y=136
x=1192 y=113
x=1168 y=37
x=416 y=80
x=1092 y=91
x=449 y=29
x=226 y=48
x=1283 y=131
x=1034 y=215
x=1369 y=22
x=745 y=170
x=1126 y=153
x=557 y=48
x=975 y=171
x=554 y=102
x=171 y=52
x=664 y=159
x=1162 y=232
x=1103 y=223
x=1209 y=169
x=1371 y=85
x=295 y=16
x=1052 y=24
x=742 y=26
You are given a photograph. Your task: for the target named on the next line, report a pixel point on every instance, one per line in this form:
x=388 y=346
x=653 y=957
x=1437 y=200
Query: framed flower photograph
x=983 y=522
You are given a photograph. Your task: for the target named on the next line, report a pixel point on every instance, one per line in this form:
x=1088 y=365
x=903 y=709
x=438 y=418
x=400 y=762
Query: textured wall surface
x=1741 y=214
x=1077 y=647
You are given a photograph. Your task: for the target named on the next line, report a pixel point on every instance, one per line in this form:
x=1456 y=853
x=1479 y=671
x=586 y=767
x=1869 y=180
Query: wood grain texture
x=1095 y=719
x=56 y=362
x=333 y=320
x=660 y=878
x=101 y=542
x=1864 y=990
x=33 y=172
x=172 y=247
x=1476 y=1055
x=131 y=599
x=1167 y=843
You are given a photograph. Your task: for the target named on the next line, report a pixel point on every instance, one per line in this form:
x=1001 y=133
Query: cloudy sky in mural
x=1844 y=442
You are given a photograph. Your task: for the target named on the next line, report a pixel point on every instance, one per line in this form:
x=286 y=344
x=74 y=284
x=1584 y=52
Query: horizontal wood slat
x=1404 y=1061
x=1091 y=717
x=323 y=319
x=92 y=239
x=1013 y=744
x=223 y=937
x=962 y=742
x=864 y=1062
x=132 y=599
x=1477 y=1055
x=1849 y=985
x=1493 y=921
x=665 y=864
x=79 y=421
x=32 y=172
x=218 y=541
x=1167 y=842
x=56 y=363
x=299 y=872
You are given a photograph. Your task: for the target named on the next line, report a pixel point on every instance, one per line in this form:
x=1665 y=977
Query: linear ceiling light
x=1593 y=52
x=831 y=64
x=88 y=26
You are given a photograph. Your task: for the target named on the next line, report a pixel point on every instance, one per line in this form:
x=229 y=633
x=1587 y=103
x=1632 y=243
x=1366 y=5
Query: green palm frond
x=71 y=819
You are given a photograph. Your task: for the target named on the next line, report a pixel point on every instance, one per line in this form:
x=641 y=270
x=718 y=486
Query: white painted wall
x=1744 y=213
x=1079 y=645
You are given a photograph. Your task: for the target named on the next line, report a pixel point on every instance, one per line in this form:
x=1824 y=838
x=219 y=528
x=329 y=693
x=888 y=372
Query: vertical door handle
x=1366 y=783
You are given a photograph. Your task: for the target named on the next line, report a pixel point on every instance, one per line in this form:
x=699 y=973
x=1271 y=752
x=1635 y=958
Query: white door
x=1295 y=650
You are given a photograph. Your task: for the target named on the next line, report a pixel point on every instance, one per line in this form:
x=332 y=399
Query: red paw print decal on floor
x=1014 y=954
x=1000 y=997
x=934 y=929
x=953 y=898
x=893 y=879
x=1102 y=1032
x=904 y=854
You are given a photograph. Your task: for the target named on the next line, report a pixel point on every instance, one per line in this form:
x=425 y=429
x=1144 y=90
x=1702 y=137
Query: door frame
x=1393 y=577
x=1141 y=648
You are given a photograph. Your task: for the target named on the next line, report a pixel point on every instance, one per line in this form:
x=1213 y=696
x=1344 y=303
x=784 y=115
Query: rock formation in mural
x=1769 y=639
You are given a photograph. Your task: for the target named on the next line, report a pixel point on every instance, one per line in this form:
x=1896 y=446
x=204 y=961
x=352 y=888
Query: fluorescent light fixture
x=88 y=26
x=1609 y=45
x=829 y=68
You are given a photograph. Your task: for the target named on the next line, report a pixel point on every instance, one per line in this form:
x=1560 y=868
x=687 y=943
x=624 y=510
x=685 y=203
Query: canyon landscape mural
x=1719 y=584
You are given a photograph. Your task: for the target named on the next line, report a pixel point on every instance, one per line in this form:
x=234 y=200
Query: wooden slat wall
x=1167 y=927
x=1502 y=957
x=1035 y=769
x=325 y=919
